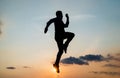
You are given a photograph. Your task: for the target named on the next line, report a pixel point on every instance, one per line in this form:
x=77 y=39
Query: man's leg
x=60 y=52
x=69 y=36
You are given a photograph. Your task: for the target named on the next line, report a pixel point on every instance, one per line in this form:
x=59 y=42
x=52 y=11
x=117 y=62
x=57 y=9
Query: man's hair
x=58 y=13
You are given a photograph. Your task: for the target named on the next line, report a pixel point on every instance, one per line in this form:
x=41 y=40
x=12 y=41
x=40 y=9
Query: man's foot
x=56 y=67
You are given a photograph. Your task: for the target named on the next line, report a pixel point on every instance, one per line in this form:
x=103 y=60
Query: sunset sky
x=26 y=52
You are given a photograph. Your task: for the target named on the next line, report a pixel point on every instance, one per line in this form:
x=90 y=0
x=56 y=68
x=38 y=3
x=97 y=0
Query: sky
x=26 y=52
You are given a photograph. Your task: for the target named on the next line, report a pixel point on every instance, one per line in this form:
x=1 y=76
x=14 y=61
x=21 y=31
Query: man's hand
x=67 y=15
x=46 y=29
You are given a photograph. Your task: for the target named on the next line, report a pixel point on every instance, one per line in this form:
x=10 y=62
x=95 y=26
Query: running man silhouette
x=60 y=35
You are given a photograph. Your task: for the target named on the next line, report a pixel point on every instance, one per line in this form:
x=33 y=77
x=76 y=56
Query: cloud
x=12 y=68
x=74 y=60
x=91 y=57
x=83 y=60
x=26 y=67
x=110 y=57
x=106 y=73
x=112 y=65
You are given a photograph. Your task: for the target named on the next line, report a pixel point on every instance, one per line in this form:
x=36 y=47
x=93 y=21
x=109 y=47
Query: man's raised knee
x=72 y=34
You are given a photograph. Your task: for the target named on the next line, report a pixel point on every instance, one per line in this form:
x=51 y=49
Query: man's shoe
x=56 y=67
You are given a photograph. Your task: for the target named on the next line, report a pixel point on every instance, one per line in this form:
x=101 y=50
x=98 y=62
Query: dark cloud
x=91 y=57
x=12 y=68
x=74 y=60
x=83 y=60
x=106 y=73
x=112 y=65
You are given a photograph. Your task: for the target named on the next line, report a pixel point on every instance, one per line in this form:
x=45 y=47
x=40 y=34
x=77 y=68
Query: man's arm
x=47 y=25
x=67 y=21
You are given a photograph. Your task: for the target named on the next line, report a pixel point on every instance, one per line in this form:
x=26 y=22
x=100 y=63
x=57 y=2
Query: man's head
x=59 y=14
